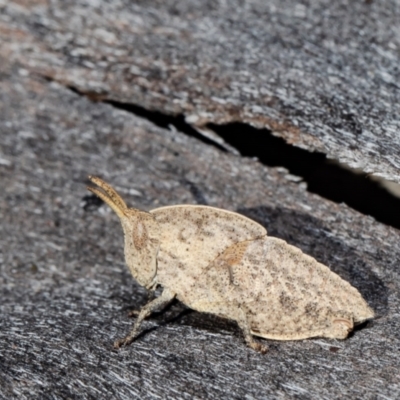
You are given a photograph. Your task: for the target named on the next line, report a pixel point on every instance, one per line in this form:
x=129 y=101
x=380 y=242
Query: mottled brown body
x=221 y=262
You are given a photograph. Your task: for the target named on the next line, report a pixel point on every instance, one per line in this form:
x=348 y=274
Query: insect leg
x=158 y=303
x=151 y=295
x=244 y=326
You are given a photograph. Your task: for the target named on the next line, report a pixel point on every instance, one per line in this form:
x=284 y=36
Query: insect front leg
x=158 y=303
x=248 y=337
x=151 y=294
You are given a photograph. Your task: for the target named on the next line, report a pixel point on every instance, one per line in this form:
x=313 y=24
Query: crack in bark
x=324 y=177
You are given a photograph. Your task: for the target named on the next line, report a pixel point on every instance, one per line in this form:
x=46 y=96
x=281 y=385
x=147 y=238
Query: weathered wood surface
x=64 y=289
x=323 y=75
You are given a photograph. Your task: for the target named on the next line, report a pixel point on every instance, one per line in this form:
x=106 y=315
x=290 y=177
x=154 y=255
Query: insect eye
x=139 y=235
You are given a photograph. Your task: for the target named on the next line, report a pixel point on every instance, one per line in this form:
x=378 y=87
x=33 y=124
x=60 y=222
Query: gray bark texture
x=322 y=75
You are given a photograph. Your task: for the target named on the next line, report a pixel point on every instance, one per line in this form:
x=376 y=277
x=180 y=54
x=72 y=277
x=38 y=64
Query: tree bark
x=322 y=76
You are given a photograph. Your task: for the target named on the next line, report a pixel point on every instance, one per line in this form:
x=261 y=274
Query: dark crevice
x=165 y=121
x=323 y=177
x=157 y=118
